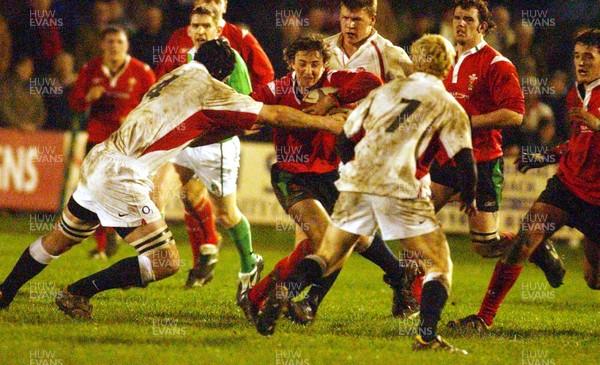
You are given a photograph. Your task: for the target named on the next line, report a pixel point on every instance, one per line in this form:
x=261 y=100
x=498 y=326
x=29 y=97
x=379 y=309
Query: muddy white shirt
x=185 y=105
x=406 y=123
x=377 y=55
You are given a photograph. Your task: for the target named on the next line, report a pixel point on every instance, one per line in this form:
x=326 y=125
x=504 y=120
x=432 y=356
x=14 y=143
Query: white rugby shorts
x=361 y=214
x=216 y=165
x=117 y=189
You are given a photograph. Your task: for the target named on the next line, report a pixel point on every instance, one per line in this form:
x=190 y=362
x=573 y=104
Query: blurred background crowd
x=43 y=43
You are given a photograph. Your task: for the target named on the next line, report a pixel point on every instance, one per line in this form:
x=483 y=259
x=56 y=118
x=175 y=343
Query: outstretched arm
x=286 y=117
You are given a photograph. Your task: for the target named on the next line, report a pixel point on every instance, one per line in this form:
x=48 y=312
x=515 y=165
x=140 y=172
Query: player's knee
x=165 y=261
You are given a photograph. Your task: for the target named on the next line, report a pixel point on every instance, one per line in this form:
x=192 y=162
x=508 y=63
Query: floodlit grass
x=165 y=324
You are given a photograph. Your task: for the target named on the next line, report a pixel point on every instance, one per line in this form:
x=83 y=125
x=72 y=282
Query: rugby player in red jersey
x=572 y=195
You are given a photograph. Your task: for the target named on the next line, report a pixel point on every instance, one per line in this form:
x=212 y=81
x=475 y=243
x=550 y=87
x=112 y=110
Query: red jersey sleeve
x=80 y=89
x=505 y=88
x=353 y=86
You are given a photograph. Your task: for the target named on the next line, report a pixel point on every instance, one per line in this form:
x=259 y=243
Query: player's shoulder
x=493 y=58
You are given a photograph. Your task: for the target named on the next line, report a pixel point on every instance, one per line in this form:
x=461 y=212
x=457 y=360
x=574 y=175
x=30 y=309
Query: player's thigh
x=164 y=185
x=431 y=251
x=591 y=263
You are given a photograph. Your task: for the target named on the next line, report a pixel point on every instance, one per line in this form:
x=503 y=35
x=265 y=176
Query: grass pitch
x=165 y=324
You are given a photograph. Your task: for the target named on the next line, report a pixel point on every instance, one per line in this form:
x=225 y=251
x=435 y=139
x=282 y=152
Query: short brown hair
x=307 y=43
x=206 y=10
x=354 y=5
x=482 y=9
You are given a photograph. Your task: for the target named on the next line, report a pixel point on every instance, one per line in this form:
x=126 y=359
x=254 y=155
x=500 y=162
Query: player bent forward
x=185 y=107
x=383 y=187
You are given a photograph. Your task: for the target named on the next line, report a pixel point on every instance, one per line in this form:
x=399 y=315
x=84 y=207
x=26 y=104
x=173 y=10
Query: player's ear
x=219 y=29
x=482 y=27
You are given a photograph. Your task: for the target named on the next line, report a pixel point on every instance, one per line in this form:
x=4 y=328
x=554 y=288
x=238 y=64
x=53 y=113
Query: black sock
x=320 y=288
x=380 y=254
x=123 y=274
x=433 y=300
x=25 y=269
x=306 y=273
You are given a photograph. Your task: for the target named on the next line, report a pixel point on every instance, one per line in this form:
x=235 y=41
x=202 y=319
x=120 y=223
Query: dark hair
x=218 y=58
x=589 y=37
x=355 y=5
x=113 y=29
x=307 y=43
x=482 y=9
x=206 y=10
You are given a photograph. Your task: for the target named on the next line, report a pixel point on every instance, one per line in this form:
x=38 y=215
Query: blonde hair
x=432 y=54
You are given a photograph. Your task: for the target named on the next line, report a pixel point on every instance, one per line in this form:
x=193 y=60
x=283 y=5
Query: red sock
x=100 y=236
x=503 y=279
x=417 y=287
x=282 y=269
x=200 y=225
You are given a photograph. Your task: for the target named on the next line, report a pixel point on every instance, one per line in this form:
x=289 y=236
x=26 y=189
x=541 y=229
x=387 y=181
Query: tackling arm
x=286 y=117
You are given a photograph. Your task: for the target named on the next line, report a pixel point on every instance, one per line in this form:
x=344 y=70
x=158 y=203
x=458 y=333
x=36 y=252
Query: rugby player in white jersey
x=381 y=186
x=358 y=47
x=186 y=107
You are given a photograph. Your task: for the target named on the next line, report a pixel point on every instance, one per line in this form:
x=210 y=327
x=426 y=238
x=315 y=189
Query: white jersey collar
x=462 y=57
